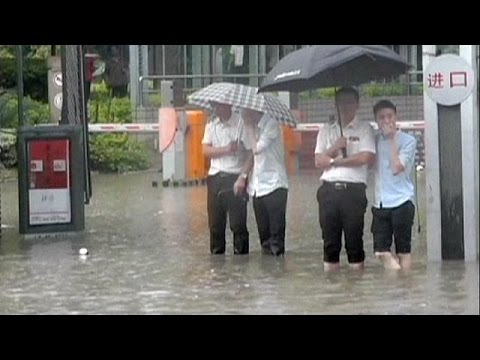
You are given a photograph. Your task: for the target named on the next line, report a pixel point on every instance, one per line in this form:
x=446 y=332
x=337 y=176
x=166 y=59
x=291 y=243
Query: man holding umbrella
x=222 y=143
x=260 y=131
x=342 y=201
x=342 y=196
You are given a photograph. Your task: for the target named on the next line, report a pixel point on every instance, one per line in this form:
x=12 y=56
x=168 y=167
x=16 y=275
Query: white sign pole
x=469 y=113
x=432 y=170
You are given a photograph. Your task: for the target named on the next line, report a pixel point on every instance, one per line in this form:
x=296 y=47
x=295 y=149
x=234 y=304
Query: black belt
x=224 y=174
x=341 y=185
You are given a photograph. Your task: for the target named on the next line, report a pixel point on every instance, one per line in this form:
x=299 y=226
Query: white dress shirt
x=269 y=172
x=219 y=134
x=360 y=138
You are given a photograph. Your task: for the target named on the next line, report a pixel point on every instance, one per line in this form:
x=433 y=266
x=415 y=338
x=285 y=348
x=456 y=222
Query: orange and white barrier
x=123 y=128
x=154 y=128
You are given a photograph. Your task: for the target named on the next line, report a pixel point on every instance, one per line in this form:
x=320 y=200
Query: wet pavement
x=149 y=255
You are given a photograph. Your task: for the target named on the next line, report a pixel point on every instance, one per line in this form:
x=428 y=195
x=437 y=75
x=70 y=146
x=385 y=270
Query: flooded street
x=149 y=254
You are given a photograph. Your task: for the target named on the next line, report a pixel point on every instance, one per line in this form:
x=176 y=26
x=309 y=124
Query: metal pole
x=185 y=64
x=85 y=120
x=416 y=199
x=20 y=84
x=164 y=61
x=344 y=150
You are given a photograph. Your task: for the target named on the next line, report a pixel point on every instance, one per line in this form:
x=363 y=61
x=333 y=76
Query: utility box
x=51 y=179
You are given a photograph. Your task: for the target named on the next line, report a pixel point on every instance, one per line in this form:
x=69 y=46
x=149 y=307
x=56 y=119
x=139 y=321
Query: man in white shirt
x=230 y=161
x=268 y=184
x=342 y=196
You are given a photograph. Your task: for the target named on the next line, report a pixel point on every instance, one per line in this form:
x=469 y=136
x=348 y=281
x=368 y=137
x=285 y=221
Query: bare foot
x=388 y=260
x=405 y=261
x=331 y=266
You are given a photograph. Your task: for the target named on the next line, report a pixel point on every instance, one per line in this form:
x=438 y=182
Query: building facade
x=195 y=66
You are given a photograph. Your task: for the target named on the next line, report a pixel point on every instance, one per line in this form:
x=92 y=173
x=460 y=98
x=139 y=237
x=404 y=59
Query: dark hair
x=384 y=104
x=347 y=91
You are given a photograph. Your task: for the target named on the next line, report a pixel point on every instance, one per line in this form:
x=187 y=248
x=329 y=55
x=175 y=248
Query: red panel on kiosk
x=49 y=187
x=49 y=164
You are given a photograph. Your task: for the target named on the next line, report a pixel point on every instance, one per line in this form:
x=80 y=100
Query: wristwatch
x=332 y=162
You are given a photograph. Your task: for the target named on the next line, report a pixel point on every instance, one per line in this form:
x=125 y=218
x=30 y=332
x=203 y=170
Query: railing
x=411 y=81
x=414 y=79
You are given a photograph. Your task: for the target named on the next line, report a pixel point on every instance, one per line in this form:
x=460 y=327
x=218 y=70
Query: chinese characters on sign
x=449 y=80
x=457 y=78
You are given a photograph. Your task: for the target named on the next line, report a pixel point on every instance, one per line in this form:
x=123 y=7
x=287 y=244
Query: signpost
x=451 y=146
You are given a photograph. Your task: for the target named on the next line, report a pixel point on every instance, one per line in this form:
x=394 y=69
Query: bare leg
x=388 y=260
x=357 y=266
x=405 y=261
x=331 y=266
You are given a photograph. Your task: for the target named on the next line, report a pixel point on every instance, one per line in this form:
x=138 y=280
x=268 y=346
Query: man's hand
x=323 y=162
x=389 y=130
x=240 y=147
x=240 y=186
x=340 y=144
x=232 y=147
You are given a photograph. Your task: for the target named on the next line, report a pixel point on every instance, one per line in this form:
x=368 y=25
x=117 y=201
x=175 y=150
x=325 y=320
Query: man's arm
x=240 y=185
x=213 y=152
x=395 y=163
x=323 y=160
x=269 y=134
x=324 y=155
x=402 y=159
x=366 y=154
x=217 y=152
x=359 y=159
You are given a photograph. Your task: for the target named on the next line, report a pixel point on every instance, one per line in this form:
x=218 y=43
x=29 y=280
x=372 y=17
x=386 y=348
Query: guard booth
x=51 y=179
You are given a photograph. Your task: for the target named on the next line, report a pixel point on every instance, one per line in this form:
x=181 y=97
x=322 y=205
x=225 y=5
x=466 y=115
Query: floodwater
x=149 y=255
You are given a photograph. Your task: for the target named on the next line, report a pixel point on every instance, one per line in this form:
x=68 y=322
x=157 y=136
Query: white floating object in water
x=419 y=168
x=83 y=251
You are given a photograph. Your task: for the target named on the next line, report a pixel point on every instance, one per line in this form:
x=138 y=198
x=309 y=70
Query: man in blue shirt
x=393 y=209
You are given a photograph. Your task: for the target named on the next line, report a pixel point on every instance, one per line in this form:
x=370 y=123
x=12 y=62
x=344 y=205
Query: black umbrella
x=323 y=66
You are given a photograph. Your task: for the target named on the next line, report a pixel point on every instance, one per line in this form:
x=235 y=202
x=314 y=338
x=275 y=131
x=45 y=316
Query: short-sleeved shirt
x=269 y=172
x=392 y=190
x=219 y=134
x=360 y=138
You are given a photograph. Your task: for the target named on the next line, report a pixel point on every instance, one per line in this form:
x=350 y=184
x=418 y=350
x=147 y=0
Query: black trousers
x=221 y=200
x=341 y=209
x=393 y=222
x=270 y=214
